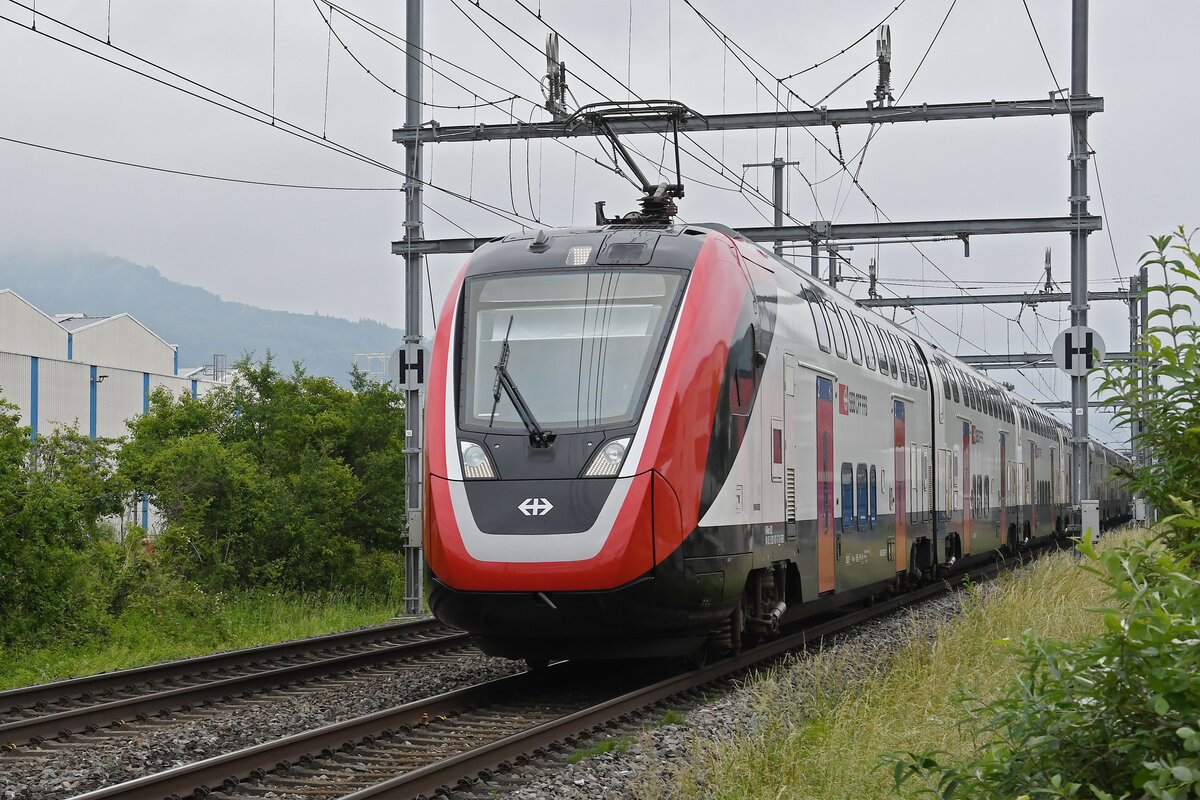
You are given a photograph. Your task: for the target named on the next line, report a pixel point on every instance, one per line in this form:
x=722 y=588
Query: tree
x=285 y=482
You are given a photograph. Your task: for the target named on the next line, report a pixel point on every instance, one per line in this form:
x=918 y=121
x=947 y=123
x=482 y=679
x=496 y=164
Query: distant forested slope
x=200 y=322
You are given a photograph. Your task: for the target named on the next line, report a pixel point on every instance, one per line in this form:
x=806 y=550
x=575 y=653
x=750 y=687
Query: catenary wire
x=246 y=110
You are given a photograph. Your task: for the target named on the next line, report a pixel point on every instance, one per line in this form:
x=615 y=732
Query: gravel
x=644 y=764
x=109 y=756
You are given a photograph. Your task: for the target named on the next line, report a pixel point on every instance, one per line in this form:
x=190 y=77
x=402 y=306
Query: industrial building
x=89 y=373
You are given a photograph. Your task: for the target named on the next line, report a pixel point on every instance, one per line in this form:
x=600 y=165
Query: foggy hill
x=197 y=320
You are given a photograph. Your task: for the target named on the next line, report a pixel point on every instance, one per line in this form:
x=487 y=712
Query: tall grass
x=193 y=625
x=822 y=722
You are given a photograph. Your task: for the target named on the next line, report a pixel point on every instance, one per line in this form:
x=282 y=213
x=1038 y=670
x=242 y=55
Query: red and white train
x=642 y=441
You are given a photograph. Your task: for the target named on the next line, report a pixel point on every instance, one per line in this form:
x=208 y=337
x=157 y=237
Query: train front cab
x=568 y=543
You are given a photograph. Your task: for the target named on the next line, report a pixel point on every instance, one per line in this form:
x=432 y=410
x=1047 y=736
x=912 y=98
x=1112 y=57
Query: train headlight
x=607 y=462
x=475 y=461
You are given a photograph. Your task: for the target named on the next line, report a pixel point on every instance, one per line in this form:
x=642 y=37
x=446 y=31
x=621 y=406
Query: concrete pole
x=414 y=567
x=1079 y=209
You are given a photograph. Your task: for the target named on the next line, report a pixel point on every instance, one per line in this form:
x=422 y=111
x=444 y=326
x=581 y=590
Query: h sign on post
x=407 y=367
x=1077 y=350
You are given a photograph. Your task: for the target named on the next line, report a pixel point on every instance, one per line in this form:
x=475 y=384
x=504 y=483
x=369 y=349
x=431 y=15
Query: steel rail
x=120 y=680
x=120 y=712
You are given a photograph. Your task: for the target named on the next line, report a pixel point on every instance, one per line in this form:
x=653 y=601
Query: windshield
x=581 y=346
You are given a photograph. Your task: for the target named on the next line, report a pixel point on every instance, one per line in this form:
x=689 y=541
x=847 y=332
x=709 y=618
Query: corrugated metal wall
x=64 y=389
x=118 y=398
x=121 y=341
x=15 y=383
x=26 y=330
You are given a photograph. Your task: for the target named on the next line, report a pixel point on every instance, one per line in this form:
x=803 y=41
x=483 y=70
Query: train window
x=861 y=485
x=906 y=348
x=954 y=387
x=839 y=332
x=916 y=354
x=945 y=379
x=852 y=336
x=847 y=496
x=895 y=344
x=892 y=356
x=874 y=496
x=860 y=328
x=877 y=338
x=987 y=493
x=569 y=333
x=820 y=322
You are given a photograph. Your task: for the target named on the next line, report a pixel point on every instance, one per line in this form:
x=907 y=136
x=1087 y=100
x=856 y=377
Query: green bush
x=56 y=555
x=278 y=483
x=1112 y=716
x=1169 y=407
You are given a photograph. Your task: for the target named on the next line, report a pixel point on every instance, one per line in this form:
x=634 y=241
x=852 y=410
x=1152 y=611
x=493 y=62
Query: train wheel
x=697 y=658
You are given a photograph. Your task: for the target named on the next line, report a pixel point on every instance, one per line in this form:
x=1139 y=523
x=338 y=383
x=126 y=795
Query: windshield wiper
x=538 y=437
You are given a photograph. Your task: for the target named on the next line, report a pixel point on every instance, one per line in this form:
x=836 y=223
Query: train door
x=914 y=483
x=926 y=483
x=968 y=497
x=899 y=476
x=1033 y=494
x=946 y=479
x=1053 y=498
x=791 y=447
x=825 y=488
x=1003 y=487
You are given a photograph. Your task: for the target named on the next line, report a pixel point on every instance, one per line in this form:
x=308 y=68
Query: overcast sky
x=328 y=250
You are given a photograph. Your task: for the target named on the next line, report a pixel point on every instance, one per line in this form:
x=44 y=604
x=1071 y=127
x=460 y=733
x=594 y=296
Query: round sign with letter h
x=1077 y=350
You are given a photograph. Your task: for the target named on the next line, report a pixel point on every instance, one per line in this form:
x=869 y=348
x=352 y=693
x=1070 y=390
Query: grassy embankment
x=822 y=722
x=147 y=633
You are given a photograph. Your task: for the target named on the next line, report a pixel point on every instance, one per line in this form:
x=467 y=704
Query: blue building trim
x=92 y=405
x=33 y=395
x=145 y=511
x=145 y=392
x=176 y=359
x=71 y=346
x=194 y=388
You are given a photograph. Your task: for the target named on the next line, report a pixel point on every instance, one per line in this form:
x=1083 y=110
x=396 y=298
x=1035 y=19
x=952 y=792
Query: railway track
x=64 y=708
x=461 y=738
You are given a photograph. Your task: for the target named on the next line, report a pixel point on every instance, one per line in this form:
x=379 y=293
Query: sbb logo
x=535 y=506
